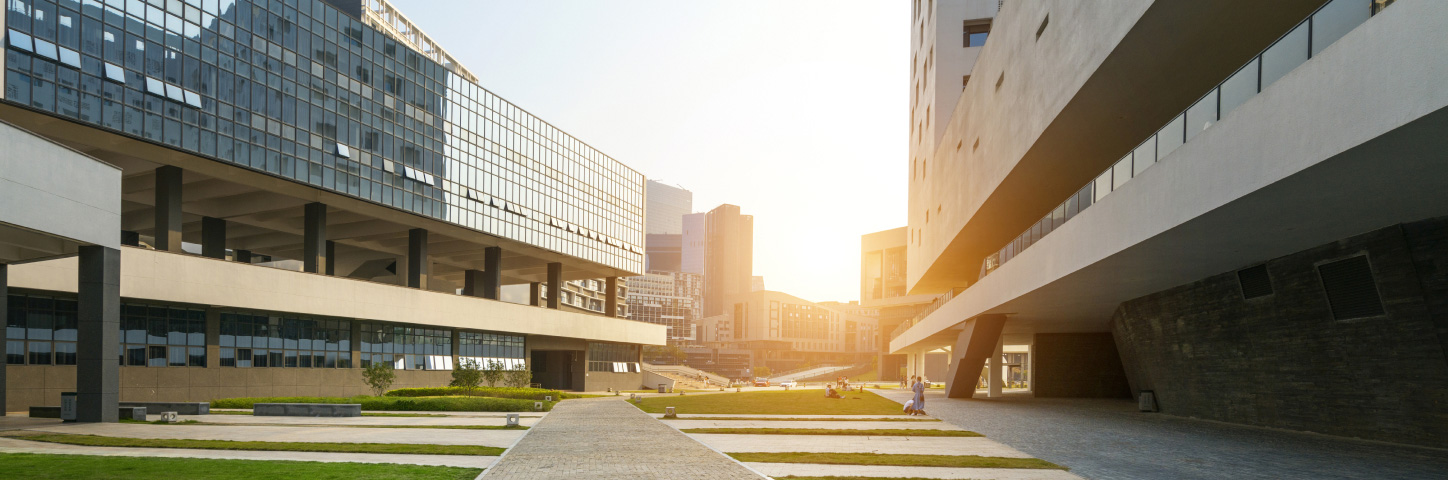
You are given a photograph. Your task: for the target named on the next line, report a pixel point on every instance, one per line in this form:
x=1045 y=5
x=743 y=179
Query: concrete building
x=784 y=331
x=728 y=257
x=667 y=207
x=1249 y=226
x=672 y=299
x=882 y=290
x=694 y=243
x=946 y=38
x=249 y=201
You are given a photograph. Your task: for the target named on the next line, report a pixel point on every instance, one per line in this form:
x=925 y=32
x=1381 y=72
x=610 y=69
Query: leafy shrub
x=496 y=392
x=467 y=376
x=419 y=404
x=518 y=378
x=379 y=377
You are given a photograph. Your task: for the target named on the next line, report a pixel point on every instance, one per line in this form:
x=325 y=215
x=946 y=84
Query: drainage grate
x=1254 y=282
x=1351 y=291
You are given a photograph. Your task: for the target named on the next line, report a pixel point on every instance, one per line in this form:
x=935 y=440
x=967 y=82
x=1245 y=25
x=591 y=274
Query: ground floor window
x=406 y=347
x=40 y=330
x=486 y=348
x=613 y=357
x=251 y=339
x=162 y=336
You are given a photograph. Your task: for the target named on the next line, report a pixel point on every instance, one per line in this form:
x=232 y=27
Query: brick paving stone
x=1109 y=439
x=606 y=438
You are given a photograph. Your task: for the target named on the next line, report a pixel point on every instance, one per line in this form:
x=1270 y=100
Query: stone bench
x=126 y=413
x=181 y=408
x=307 y=410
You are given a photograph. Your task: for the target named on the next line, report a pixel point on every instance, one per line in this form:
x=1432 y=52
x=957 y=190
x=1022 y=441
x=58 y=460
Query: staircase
x=687 y=377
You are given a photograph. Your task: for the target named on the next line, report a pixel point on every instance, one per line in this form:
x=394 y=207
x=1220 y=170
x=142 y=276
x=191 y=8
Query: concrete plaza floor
x=1110 y=439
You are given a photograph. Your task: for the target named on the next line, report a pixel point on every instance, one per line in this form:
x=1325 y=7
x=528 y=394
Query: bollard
x=168 y=417
x=537 y=406
x=512 y=419
x=547 y=398
x=669 y=412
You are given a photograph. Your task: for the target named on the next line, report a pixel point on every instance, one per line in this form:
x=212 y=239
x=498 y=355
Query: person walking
x=919 y=388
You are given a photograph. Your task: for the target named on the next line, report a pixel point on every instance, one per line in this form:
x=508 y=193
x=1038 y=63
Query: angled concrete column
x=243 y=256
x=168 y=209
x=331 y=258
x=473 y=283
x=555 y=284
x=492 y=272
x=993 y=389
x=98 y=376
x=417 y=258
x=213 y=237
x=314 y=243
x=535 y=294
x=610 y=302
x=4 y=312
x=974 y=345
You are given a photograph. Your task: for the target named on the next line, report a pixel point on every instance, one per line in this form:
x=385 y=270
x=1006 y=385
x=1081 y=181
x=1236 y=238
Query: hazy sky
x=797 y=111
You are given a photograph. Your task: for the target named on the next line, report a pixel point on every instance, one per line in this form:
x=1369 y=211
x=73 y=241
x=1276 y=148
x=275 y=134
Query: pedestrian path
x=12 y=445
x=491 y=438
x=779 y=470
x=606 y=438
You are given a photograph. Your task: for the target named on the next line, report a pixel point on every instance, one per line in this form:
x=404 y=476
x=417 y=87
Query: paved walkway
x=491 y=438
x=11 y=445
x=883 y=472
x=606 y=438
x=1110 y=439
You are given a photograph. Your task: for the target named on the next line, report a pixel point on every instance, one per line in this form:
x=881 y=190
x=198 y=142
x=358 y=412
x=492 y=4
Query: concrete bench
x=126 y=413
x=181 y=408
x=307 y=410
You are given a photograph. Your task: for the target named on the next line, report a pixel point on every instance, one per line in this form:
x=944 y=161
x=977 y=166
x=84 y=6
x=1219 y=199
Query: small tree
x=379 y=376
x=518 y=377
x=467 y=375
x=494 y=373
x=762 y=371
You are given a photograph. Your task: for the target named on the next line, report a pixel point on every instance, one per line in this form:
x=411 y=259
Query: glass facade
x=406 y=347
x=298 y=90
x=40 y=330
x=484 y=348
x=613 y=357
x=162 y=336
x=262 y=340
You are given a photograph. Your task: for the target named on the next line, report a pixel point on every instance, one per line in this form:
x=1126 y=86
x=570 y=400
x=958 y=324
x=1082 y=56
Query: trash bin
x=67 y=406
x=663 y=388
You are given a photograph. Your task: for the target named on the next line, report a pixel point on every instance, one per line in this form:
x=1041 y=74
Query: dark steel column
x=243 y=256
x=213 y=237
x=168 y=209
x=314 y=244
x=555 y=284
x=473 y=283
x=492 y=272
x=610 y=302
x=4 y=312
x=331 y=258
x=535 y=294
x=98 y=374
x=417 y=258
x=130 y=238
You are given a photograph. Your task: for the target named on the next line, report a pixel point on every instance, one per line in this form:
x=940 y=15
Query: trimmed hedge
x=495 y=392
x=402 y=404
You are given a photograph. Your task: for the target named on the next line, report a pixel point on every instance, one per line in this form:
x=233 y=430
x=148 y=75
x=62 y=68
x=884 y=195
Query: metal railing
x=1308 y=38
x=929 y=309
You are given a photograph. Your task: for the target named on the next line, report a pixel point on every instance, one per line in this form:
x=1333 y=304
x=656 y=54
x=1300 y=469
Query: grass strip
x=871 y=432
x=435 y=427
x=813 y=419
x=792 y=477
x=896 y=460
x=792 y=402
x=365 y=414
x=392 y=448
x=57 y=467
x=402 y=404
x=495 y=392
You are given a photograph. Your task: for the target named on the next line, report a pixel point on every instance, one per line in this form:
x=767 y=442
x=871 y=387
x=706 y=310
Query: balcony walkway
x=608 y=438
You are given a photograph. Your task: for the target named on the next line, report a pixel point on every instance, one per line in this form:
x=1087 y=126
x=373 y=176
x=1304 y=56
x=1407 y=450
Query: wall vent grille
x=1350 y=289
x=1255 y=282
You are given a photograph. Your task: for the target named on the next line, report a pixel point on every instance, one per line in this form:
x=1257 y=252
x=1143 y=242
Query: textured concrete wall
x=1283 y=360
x=1078 y=365
x=41 y=385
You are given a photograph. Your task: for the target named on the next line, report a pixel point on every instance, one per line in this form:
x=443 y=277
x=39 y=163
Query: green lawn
x=404 y=404
x=365 y=414
x=904 y=460
x=394 y=448
x=794 y=402
x=813 y=419
x=36 y=466
x=441 y=427
x=874 y=432
x=792 y=477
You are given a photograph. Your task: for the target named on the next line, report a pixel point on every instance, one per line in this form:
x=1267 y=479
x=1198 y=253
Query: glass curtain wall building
x=303 y=91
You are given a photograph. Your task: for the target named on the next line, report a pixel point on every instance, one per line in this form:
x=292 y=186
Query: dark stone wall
x=1283 y=361
x=1082 y=365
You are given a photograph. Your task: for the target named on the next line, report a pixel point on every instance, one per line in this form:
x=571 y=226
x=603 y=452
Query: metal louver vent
x=1255 y=282
x=1350 y=289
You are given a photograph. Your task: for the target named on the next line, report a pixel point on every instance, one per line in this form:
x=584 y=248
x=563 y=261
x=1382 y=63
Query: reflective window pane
x=1238 y=88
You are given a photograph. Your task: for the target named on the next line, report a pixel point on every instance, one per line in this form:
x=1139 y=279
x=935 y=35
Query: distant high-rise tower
x=667 y=206
x=729 y=256
x=695 y=242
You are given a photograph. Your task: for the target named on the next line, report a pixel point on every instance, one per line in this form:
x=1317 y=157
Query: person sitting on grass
x=910 y=407
x=831 y=393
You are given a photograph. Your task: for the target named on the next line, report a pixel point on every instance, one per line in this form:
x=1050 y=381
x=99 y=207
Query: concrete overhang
x=53 y=199
x=1172 y=54
x=1349 y=142
x=181 y=278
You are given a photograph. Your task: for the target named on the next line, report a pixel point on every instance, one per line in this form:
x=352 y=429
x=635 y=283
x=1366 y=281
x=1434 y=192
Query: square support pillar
x=610 y=302
x=555 y=284
x=213 y=237
x=314 y=242
x=243 y=256
x=130 y=239
x=492 y=272
x=168 y=209
x=535 y=294
x=993 y=389
x=4 y=312
x=331 y=258
x=417 y=258
x=98 y=374
x=473 y=283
